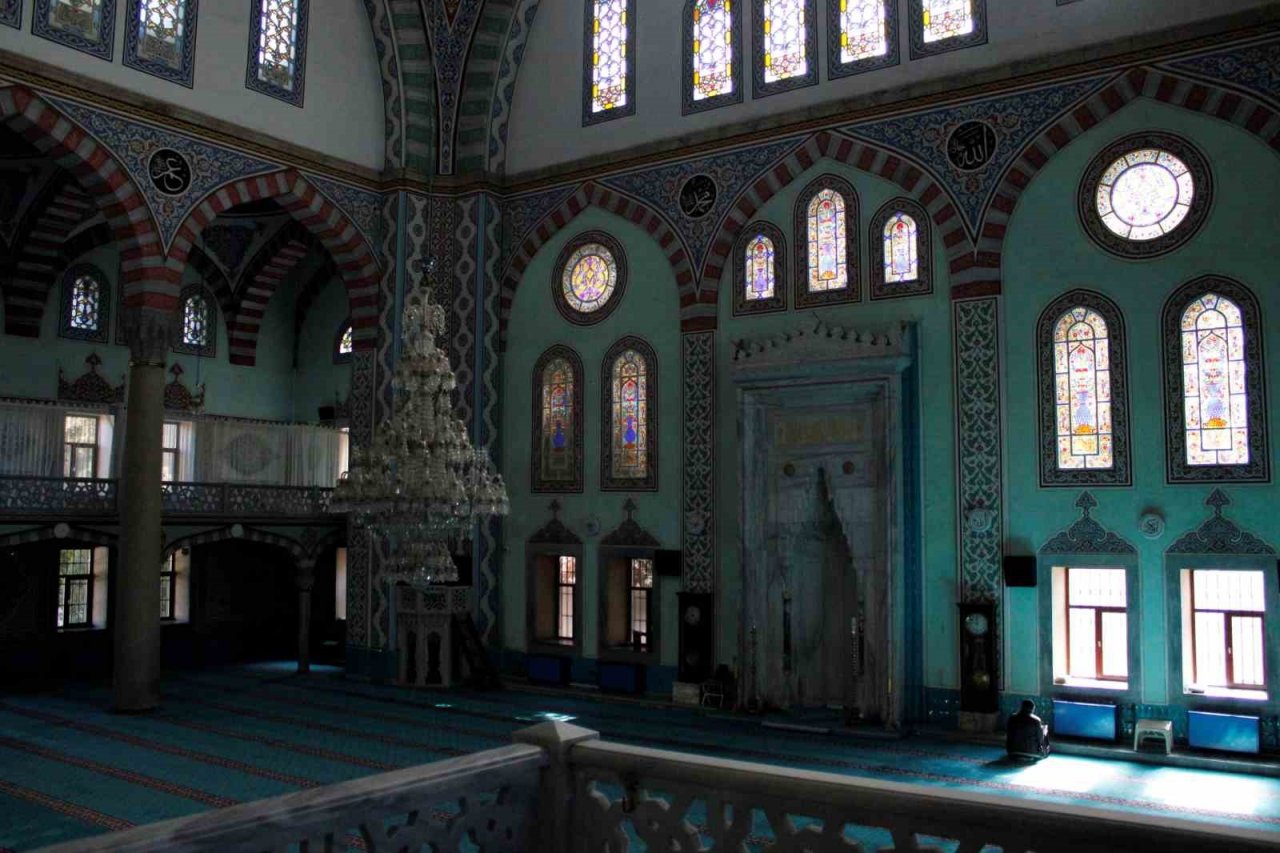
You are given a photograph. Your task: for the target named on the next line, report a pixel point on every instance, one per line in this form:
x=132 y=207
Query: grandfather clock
x=979 y=688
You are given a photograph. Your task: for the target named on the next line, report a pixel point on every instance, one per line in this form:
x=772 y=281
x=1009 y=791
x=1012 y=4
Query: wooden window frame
x=1228 y=632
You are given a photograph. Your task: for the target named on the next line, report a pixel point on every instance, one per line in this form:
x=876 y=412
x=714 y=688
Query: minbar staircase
x=480 y=671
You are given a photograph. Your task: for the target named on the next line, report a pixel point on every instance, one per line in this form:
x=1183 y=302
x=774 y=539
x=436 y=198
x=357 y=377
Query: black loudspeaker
x=697 y=637
x=668 y=564
x=1019 y=571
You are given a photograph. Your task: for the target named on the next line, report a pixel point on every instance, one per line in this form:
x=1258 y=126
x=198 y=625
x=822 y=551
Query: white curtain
x=269 y=454
x=31 y=440
x=186 y=451
x=106 y=430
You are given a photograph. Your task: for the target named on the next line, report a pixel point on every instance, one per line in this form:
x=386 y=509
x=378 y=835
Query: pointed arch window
x=86 y=301
x=629 y=441
x=902 y=256
x=712 y=54
x=1084 y=398
x=278 y=49
x=1213 y=384
x=557 y=422
x=938 y=26
x=196 y=331
x=759 y=261
x=785 y=44
x=161 y=38
x=345 y=343
x=827 y=248
x=609 y=86
x=86 y=25
x=862 y=35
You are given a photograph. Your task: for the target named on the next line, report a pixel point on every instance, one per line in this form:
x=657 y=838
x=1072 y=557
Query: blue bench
x=1227 y=732
x=1084 y=719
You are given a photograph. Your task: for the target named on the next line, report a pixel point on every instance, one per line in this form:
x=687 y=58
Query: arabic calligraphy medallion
x=698 y=196
x=971 y=146
x=169 y=171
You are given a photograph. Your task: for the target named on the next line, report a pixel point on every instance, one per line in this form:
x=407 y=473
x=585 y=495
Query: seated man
x=1027 y=736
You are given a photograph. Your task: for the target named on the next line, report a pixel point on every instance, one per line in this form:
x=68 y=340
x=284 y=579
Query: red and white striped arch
x=588 y=195
x=269 y=268
x=142 y=276
x=354 y=258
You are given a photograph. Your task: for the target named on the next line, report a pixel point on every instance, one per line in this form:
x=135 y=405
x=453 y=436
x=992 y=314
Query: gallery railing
x=53 y=495
x=562 y=790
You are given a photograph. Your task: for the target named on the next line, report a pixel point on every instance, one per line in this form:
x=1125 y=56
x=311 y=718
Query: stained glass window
x=1145 y=194
x=86 y=297
x=758 y=263
x=589 y=278
x=278 y=34
x=630 y=417
x=347 y=344
x=828 y=259
x=712 y=49
x=161 y=30
x=785 y=40
x=901 y=249
x=1214 y=372
x=557 y=421
x=863 y=29
x=195 y=321
x=1082 y=375
x=83 y=18
x=945 y=19
x=610 y=64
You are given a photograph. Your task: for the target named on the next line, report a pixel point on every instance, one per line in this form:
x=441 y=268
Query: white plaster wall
x=342 y=114
x=546 y=115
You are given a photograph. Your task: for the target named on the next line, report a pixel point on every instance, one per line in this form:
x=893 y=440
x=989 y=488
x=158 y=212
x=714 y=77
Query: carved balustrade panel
x=191 y=497
x=55 y=494
x=276 y=500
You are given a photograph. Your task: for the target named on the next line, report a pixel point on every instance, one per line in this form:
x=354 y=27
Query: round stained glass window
x=590 y=276
x=1145 y=195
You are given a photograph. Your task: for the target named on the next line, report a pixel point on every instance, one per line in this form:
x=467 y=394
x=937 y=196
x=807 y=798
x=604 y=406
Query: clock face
x=976 y=624
x=692 y=615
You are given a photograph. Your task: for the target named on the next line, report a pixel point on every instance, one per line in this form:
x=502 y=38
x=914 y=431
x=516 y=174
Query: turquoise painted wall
x=270 y=389
x=935 y=420
x=1047 y=253
x=650 y=308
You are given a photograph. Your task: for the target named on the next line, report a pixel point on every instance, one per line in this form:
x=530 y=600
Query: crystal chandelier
x=421 y=485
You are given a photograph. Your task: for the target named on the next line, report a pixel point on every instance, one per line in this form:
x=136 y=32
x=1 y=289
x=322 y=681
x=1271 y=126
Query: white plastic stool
x=1162 y=729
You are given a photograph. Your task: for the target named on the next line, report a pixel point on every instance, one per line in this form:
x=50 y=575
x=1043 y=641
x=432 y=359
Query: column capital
x=148 y=331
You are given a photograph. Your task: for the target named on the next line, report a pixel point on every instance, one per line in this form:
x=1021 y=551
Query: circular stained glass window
x=1145 y=195
x=590 y=276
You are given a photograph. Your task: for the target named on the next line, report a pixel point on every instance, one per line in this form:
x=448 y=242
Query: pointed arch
x=592 y=194
x=912 y=177
x=62 y=206
x=248 y=534
x=327 y=223
x=259 y=281
x=142 y=277
x=1233 y=107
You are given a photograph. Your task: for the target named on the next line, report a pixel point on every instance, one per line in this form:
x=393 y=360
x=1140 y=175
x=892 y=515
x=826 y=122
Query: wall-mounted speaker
x=668 y=564
x=1019 y=570
x=697 y=636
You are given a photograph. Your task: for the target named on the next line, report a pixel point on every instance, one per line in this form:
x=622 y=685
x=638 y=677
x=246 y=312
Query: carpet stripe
x=63 y=807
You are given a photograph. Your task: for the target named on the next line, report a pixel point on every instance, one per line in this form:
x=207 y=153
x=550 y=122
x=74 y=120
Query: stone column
x=305 y=580
x=135 y=618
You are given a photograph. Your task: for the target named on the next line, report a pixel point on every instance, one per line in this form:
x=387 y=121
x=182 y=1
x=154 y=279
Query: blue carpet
x=70 y=769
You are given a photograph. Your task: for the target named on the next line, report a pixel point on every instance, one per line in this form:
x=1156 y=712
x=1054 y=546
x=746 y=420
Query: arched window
x=902 y=263
x=86 y=301
x=629 y=444
x=712 y=54
x=862 y=36
x=785 y=41
x=345 y=343
x=557 y=422
x=759 y=262
x=827 y=248
x=942 y=25
x=278 y=49
x=196 y=332
x=1084 y=398
x=609 y=51
x=86 y=25
x=1213 y=383
x=160 y=38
